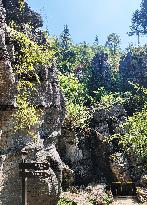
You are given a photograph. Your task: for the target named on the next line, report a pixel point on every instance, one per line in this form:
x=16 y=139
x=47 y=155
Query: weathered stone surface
x=101 y=72
x=7 y=79
x=133 y=68
x=98 y=194
x=143 y=181
x=75 y=149
x=142 y=189
x=21 y=16
x=142 y=194
x=49 y=100
x=85 y=151
x=120 y=167
x=105 y=122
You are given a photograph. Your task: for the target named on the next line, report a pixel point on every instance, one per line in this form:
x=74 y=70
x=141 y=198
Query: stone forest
x=78 y=109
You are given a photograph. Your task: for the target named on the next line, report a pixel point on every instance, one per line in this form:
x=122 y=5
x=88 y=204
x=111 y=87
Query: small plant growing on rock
x=107 y=199
x=64 y=201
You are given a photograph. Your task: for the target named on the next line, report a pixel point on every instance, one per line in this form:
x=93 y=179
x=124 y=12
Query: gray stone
x=49 y=101
x=133 y=67
x=120 y=167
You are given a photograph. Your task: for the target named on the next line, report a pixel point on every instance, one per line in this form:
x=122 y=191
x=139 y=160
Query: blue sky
x=86 y=18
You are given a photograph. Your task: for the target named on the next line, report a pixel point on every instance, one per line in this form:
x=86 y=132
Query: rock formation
x=87 y=156
x=86 y=153
x=133 y=68
x=48 y=98
x=101 y=72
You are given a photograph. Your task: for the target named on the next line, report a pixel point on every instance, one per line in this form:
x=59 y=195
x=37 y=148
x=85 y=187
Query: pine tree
x=136 y=28
x=113 y=41
x=139 y=21
x=96 y=42
x=65 y=39
x=66 y=53
x=144 y=16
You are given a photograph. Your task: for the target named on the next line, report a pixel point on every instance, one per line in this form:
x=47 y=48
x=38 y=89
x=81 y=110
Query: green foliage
x=66 y=55
x=113 y=41
x=21 y=4
x=29 y=54
x=64 y=201
x=114 y=60
x=96 y=42
x=72 y=88
x=84 y=54
x=134 y=99
x=77 y=114
x=139 y=21
x=144 y=16
x=136 y=25
x=65 y=38
x=99 y=93
x=108 y=200
x=74 y=93
x=111 y=99
x=82 y=65
x=134 y=139
x=106 y=99
x=26 y=117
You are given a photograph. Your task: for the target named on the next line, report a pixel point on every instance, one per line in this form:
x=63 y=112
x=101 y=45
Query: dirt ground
x=126 y=201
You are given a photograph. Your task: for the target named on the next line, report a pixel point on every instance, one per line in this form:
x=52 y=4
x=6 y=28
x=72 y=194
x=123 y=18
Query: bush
x=64 y=201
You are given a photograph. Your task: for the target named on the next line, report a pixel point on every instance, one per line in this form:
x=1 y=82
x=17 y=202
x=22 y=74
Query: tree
x=144 y=16
x=113 y=41
x=136 y=28
x=139 y=21
x=66 y=54
x=96 y=42
x=65 y=39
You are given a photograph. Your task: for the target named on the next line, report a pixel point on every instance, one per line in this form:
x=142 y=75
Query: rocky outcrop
x=76 y=149
x=120 y=167
x=105 y=123
x=101 y=72
x=21 y=14
x=86 y=152
x=50 y=108
x=133 y=68
x=142 y=189
x=7 y=79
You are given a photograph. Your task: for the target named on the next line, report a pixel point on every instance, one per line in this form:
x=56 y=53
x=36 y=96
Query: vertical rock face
x=21 y=16
x=120 y=167
x=75 y=148
x=134 y=68
x=7 y=79
x=50 y=103
x=101 y=73
x=88 y=155
x=105 y=123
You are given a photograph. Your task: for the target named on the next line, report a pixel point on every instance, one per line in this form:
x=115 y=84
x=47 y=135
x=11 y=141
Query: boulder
x=142 y=194
x=142 y=189
x=120 y=167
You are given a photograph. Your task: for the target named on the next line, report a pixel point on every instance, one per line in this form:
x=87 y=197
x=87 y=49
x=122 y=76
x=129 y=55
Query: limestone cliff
x=133 y=68
x=50 y=104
